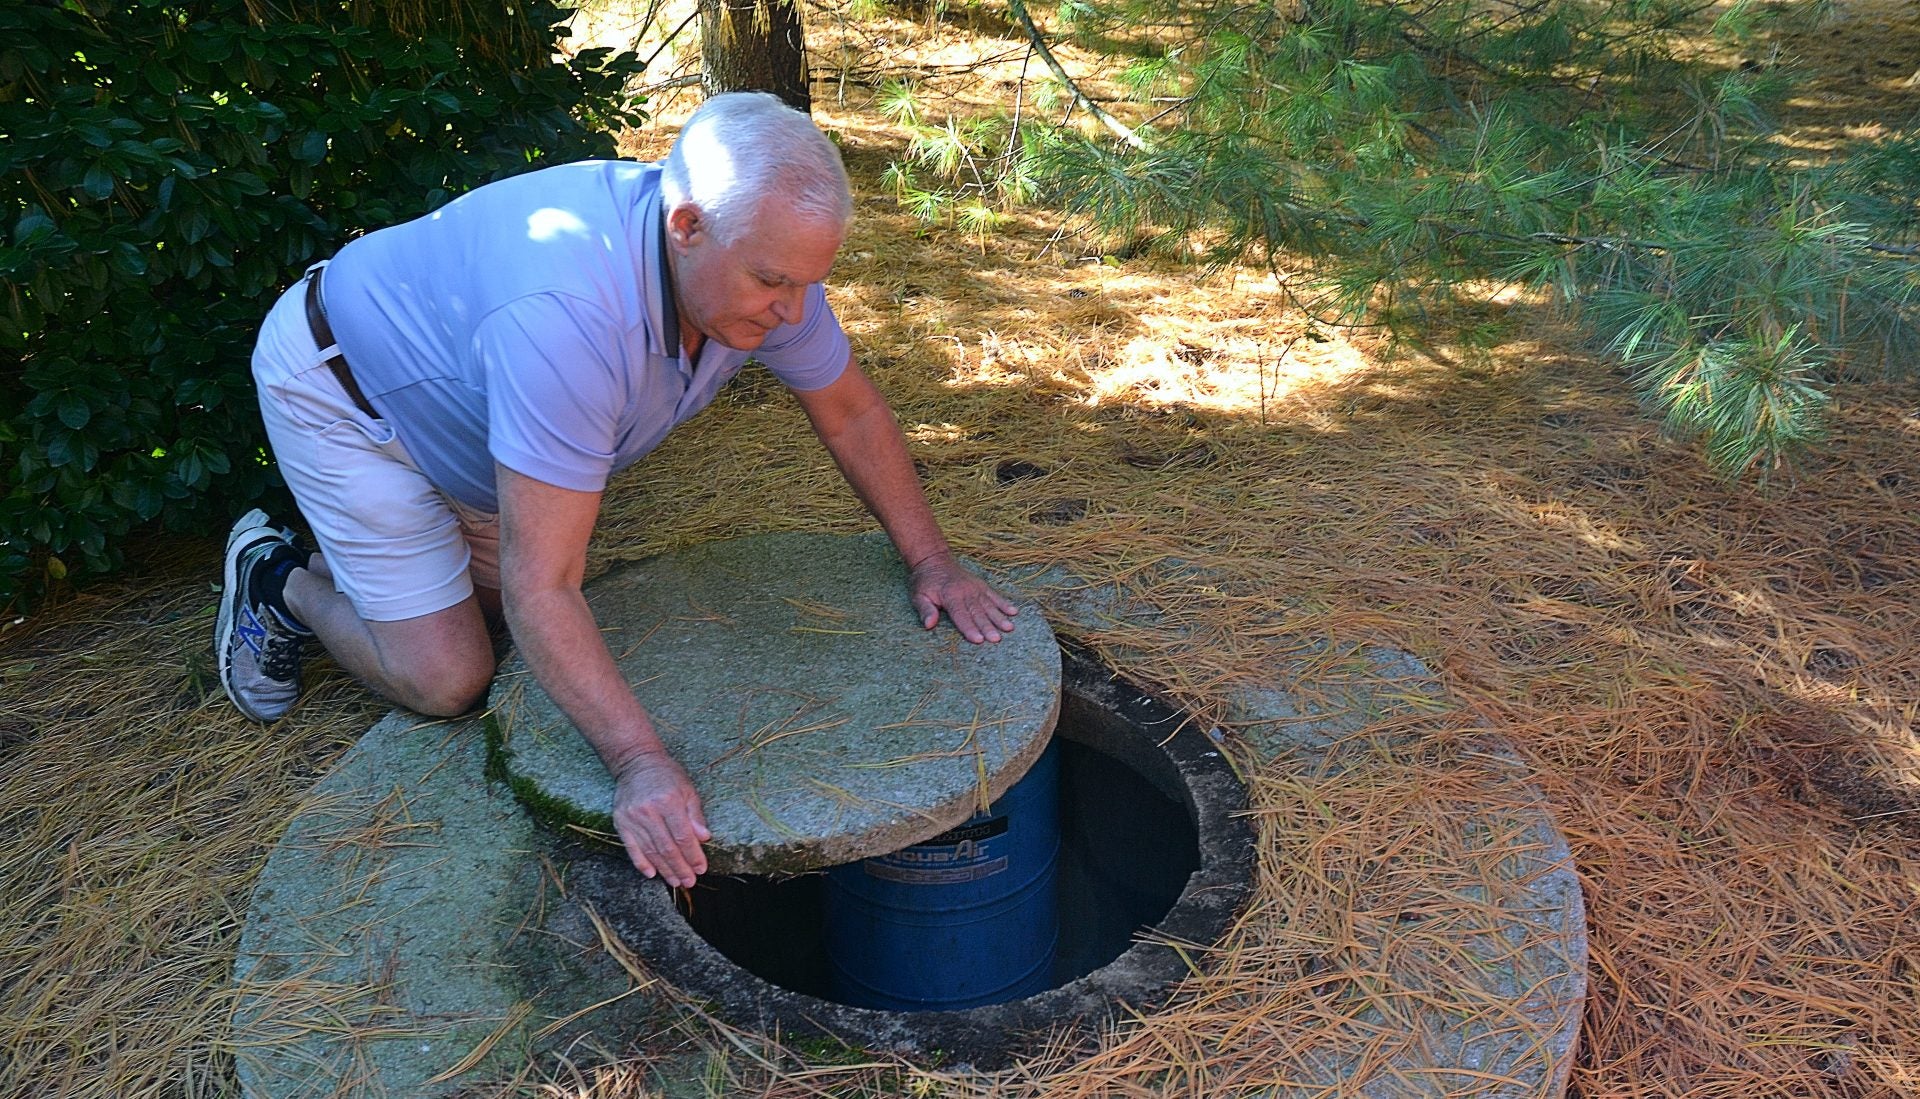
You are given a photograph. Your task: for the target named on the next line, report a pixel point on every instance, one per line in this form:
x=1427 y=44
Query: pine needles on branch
x=1410 y=152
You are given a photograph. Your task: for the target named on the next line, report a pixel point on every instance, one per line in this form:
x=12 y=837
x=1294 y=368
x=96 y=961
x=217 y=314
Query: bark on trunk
x=754 y=46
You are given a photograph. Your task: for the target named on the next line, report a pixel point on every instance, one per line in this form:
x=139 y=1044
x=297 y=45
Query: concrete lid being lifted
x=791 y=678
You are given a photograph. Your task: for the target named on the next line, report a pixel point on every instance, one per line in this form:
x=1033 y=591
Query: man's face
x=737 y=293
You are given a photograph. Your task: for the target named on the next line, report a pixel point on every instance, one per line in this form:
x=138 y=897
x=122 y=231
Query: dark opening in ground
x=1126 y=851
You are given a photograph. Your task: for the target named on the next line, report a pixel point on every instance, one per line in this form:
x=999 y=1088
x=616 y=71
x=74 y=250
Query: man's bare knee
x=448 y=689
x=439 y=664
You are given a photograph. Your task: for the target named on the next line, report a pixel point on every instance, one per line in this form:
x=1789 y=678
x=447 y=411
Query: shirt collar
x=669 y=308
x=653 y=250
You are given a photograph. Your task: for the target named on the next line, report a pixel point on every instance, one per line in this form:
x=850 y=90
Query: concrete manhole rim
x=1143 y=977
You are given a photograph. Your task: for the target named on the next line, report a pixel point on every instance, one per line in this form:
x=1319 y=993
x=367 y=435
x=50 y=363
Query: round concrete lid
x=791 y=678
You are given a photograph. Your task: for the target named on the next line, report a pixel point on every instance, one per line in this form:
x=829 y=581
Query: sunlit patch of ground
x=1863 y=62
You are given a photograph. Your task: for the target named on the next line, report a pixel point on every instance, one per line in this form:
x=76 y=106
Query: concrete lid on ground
x=789 y=675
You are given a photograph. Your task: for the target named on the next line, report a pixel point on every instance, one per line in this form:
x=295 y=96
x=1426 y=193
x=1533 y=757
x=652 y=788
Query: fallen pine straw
x=1714 y=689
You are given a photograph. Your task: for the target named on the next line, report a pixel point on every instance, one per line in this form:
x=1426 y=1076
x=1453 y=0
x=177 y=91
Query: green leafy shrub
x=166 y=168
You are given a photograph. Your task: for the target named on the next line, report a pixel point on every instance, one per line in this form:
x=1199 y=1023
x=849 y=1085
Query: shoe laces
x=280 y=653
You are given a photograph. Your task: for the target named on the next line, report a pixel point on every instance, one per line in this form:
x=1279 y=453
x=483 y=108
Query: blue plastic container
x=964 y=919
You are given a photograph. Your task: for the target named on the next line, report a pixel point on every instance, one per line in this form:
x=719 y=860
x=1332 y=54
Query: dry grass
x=1715 y=689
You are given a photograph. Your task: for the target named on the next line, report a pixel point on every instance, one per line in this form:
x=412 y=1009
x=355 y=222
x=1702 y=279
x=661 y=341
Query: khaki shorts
x=399 y=548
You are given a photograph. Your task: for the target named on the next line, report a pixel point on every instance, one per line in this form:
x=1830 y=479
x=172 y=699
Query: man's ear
x=686 y=225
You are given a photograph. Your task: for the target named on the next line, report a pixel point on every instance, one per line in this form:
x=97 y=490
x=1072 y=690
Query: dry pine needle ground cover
x=1715 y=688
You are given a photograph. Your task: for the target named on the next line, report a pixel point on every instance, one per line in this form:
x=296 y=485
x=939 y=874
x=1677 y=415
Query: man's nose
x=791 y=306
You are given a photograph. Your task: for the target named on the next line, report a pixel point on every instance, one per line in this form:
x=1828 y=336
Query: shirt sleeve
x=556 y=381
x=811 y=354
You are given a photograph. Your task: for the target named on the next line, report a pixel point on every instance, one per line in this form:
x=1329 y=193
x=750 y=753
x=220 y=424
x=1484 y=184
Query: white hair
x=743 y=148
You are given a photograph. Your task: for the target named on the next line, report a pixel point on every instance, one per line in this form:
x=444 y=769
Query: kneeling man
x=447 y=398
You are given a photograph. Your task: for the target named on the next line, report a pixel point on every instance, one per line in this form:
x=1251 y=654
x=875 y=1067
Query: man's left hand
x=980 y=613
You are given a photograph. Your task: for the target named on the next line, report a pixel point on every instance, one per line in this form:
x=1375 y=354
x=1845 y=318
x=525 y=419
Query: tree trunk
x=754 y=46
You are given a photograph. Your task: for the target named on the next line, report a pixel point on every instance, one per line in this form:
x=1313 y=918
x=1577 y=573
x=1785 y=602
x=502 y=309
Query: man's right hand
x=657 y=812
x=543 y=554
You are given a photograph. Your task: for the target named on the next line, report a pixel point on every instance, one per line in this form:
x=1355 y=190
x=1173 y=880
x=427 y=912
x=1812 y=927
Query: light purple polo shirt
x=526 y=322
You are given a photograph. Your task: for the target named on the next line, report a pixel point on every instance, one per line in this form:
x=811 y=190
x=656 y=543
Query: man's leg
x=438 y=663
x=391 y=594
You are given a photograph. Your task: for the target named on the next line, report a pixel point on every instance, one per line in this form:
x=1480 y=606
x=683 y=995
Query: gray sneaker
x=259 y=653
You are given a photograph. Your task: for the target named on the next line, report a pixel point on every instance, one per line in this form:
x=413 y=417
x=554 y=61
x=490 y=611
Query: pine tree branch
x=873 y=76
x=684 y=80
x=1019 y=101
x=668 y=41
x=1178 y=104
x=1617 y=244
x=1622 y=244
x=1019 y=9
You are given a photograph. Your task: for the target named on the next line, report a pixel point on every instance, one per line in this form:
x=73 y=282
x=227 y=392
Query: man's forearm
x=543 y=541
x=853 y=421
x=872 y=456
x=555 y=632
